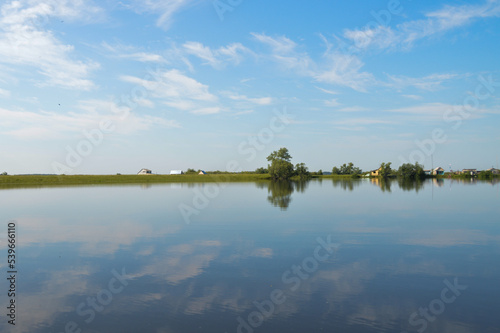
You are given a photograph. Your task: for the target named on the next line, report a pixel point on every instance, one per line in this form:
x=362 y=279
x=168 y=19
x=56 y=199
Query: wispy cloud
x=130 y=52
x=438 y=22
x=25 y=41
x=414 y=97
x=179 y=91
x=166 y=9
x=4 y=93
x=257 y=101
x=442 y=111
x=284 y=52
x=429 y=83
x=332 y=102
x=353 y=109
x=217 y=58
x=46 y=125
x=345 y=70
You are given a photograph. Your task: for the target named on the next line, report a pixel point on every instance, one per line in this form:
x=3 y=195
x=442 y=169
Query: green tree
x=385 y=170
x=320 y=172
x=411 y=171
x=261 y=170
x=4 y=173
x=281 y=154
x=302 y=171
x=347 y=169
x=191 y=170
x=483 y=175
x=280 y=168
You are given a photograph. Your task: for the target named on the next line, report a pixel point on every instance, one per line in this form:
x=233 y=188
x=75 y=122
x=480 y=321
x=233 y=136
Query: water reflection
x=384 y=184
x=280 y=192
x=396 y=251
x=346 y=183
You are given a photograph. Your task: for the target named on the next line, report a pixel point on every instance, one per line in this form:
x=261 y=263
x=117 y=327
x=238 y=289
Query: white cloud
x=25 y=41
x=429 y=83
x=414 y=97
x=144 y=57
x=283 y=51
x=279 y=45
x=332 y=102
x=404 y=35
x=217 y=58
x=353 y=109
x=442 y=111
x=174 y=84
x=345 y=70
x=330 y=92
x=4 y=93
x=46 y=125
x=362 y=121
x=130 y=52
x=257 y=101
x=165 y=8
x=179 y=91
x=210 y=110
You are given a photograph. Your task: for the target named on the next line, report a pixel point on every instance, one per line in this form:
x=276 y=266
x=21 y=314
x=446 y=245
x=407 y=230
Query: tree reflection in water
x=346 y=183
x=280 y=192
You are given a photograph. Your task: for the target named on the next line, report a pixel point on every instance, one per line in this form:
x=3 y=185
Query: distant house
x=438 y=171
x=427 y=172
x=494 y=171
x=202 y=172
x=375 y=173
x=176 y=172
x=144 y=172
x=471 y=172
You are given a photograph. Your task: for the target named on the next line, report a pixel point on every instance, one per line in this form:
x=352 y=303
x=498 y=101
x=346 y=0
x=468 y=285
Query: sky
x=108 y=87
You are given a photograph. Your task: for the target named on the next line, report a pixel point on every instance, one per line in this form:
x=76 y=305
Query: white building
x=144 y=172
x=176 y=172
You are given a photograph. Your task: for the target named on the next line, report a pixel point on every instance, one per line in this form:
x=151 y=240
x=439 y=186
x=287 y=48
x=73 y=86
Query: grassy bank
x=11 y=181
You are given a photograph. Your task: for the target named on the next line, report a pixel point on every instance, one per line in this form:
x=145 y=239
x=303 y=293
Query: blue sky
x=106 y=87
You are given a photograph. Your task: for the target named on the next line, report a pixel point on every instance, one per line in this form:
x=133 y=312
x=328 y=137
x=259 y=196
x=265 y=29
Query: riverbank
x=9 y=181
x=127 y=179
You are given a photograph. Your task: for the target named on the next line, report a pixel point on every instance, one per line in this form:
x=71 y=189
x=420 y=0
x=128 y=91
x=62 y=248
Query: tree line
x=280 y=168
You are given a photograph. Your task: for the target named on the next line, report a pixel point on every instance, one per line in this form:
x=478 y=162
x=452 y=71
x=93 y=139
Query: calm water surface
x=322 y=256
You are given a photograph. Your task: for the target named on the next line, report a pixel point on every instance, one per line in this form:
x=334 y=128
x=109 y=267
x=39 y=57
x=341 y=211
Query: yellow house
x=375 y=173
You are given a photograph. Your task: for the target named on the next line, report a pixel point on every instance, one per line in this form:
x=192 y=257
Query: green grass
x=35 y=180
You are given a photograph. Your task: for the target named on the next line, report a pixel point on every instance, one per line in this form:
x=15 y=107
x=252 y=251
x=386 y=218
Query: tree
x=4 y=173
x=281 y=154
x=411 y=171
x=191 y=170
x=385 y=170
x=261 y=170
x=280 y=167
x=320 y=172
x=347 y=169
x=302 y=171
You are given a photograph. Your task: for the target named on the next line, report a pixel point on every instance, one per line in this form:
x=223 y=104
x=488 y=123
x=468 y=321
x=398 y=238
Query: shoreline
x=12 y=181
